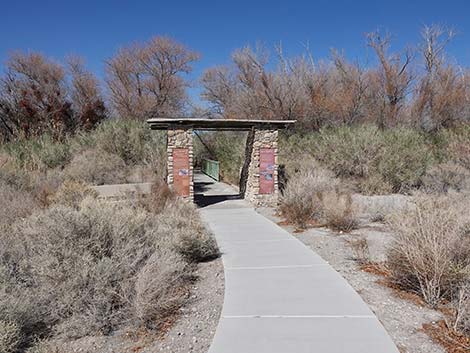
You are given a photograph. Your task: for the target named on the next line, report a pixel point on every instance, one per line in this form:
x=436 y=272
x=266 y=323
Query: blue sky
x=96 y=29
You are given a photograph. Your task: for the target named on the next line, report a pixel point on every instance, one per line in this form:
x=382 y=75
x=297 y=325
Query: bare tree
x=144 y=80
x=248 y=90
x=393 y=78
x=87 y=102
x=442 y=93
x=33 y=97
x=351 y=90
x=220 y=90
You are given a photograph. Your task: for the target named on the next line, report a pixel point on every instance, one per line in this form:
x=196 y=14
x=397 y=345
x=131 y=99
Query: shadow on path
x=209 y=192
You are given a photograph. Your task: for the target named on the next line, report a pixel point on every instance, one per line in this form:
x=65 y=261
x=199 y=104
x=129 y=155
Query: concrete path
x=280 y=296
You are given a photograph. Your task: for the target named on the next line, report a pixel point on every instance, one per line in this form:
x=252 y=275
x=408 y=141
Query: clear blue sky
x=96 y=29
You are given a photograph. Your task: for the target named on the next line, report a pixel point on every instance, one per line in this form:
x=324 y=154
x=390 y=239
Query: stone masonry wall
x=261 y=139
x=180 y=138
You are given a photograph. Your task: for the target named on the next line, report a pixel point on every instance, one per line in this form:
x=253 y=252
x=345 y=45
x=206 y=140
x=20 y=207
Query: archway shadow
x=209 y=192
x=208 y=200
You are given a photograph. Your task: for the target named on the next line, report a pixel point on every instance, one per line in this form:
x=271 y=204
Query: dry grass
x=97 y=167
x=10 y=337
x=446 y=177
x=301 y=201
x=15 y=204
x=74 y=270
x=185 y=233
x=338 y=211
x=153 y=300
x=313 y=195
x=158 y=198
x=360 y=249
x=452 y=341
x=72 y=193
x=460 y=315
x=430 y=254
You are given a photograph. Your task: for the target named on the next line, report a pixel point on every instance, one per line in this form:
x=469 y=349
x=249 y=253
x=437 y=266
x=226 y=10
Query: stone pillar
x=179 y=149
x=262 y=188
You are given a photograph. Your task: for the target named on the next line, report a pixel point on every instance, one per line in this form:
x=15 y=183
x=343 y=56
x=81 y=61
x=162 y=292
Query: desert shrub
x=301 y=201
x=446 y=176
x=132 y=141
x=360 y=249
x=72 y=193
x=456 y=145
x=79 y=270
x=15 y=204
x=39 y=153
x=82 y=263
x=349 y=151
x=97 y=167
x=158 y=198
x=338 y=211
x=374 y=184
x=197 y=247
x=460 y=321
x=430 y=253
x=160 y=286
x=45 y=346
x=230 y=151
x=188 y=237
x=10 y=337
x=15 y=177
x=39 y=184
x=380 y=161
x=404 y=159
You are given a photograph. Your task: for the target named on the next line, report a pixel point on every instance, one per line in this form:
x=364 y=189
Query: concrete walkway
x=280 y=296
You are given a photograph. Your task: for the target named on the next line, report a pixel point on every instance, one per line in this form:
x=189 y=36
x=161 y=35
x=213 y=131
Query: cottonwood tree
x=350 y=96
x=315 y=95
x=391 y=81
x=87 y=102
x=442 y=93
x=319 y=94
x=144 y=80
x=220 y=89
x=33 y=97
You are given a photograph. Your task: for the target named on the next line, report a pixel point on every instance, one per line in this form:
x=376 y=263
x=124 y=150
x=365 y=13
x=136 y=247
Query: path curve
x=282 y=297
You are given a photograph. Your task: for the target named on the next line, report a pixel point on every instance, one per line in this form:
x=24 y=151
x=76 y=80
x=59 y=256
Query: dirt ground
x=191 y=332
x=403 y=319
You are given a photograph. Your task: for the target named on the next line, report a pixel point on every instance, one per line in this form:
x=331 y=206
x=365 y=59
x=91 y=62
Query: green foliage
x=455 y=145
x=97 y=167
x=39 y=153
x=380 y=161
x=132 y=141
x=404 y=159
x=114 y=151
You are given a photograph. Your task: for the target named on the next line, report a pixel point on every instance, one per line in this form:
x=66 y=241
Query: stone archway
x=259 y=177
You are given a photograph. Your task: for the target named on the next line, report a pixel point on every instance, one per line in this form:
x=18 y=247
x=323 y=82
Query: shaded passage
x=209 y=192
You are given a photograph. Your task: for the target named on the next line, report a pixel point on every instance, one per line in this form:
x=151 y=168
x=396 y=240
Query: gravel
x=195 y=328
